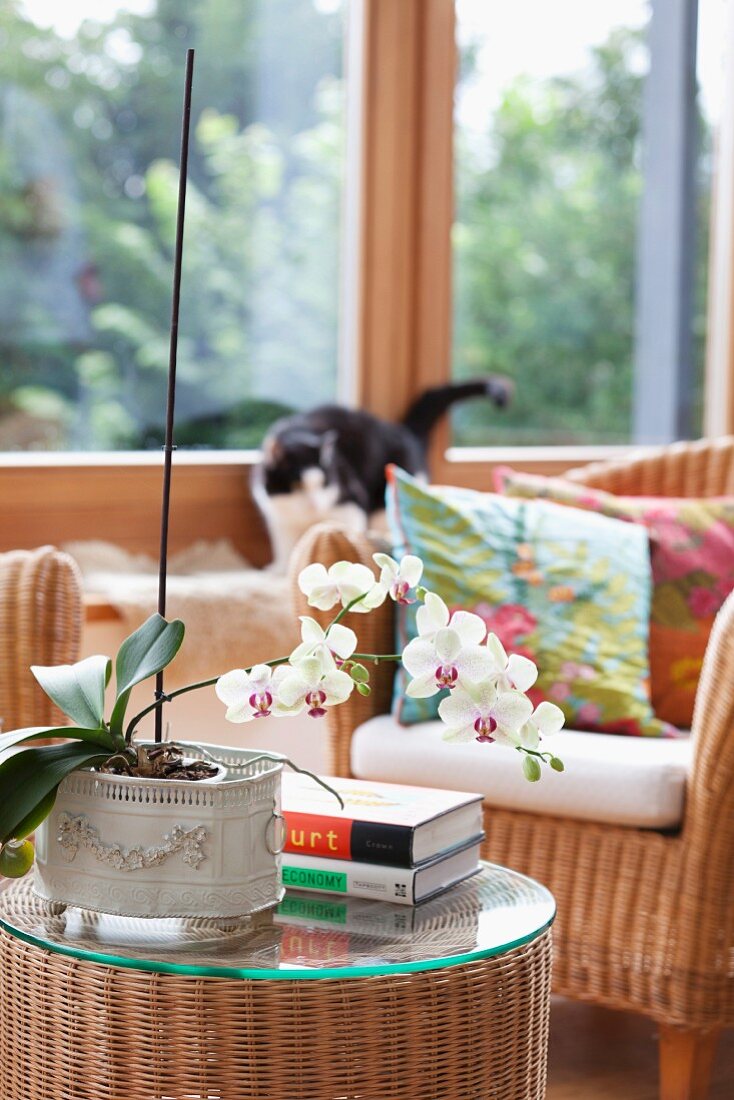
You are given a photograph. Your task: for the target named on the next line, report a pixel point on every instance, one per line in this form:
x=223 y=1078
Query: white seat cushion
x=608 y=778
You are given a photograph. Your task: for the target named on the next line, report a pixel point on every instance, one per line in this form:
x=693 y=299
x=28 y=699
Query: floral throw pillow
x=692 y=556
x=568 y=589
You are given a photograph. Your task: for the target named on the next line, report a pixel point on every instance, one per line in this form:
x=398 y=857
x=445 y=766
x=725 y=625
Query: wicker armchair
x=40 y=623
x=645 y=918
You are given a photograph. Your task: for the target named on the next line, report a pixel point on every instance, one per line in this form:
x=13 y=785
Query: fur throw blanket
x=235 y=615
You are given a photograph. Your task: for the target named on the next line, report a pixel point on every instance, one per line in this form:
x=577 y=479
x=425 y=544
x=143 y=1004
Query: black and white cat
x=329 y=463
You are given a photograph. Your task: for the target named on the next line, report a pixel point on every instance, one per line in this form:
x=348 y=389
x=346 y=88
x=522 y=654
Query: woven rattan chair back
x=40 y=624
x=701 y=469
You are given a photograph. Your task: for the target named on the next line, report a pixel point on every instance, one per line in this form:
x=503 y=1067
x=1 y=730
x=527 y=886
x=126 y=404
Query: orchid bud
x=531 y=769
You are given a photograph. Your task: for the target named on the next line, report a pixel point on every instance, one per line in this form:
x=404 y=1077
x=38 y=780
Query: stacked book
x=390 y=842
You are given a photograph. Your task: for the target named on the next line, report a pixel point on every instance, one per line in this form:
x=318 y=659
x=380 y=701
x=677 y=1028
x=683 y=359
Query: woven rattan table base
x=72 y=1030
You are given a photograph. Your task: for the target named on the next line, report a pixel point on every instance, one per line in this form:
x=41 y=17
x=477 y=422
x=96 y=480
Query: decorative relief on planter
x=77 y=832
x=134 y=899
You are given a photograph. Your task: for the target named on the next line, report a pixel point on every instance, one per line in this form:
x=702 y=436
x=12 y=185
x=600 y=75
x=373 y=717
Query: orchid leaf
x=99 y=737
x=28 y=777
x=143 y=654
x=38 y=814
x=78 y=689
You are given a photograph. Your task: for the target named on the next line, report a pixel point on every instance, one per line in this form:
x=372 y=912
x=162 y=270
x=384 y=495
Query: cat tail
x=428 y=409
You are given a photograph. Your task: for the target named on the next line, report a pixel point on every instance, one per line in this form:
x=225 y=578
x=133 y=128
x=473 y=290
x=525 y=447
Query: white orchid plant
x=484 y=700
x=485 y=690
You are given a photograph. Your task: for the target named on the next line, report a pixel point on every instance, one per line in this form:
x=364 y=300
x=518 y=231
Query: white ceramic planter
x=166 y=848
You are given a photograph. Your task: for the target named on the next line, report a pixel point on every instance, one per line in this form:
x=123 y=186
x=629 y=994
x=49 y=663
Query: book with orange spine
x=385 y=823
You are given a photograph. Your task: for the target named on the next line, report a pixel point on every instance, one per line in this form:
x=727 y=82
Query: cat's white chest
x=290 y=515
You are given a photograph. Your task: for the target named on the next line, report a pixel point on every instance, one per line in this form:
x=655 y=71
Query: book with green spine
x=400 y=885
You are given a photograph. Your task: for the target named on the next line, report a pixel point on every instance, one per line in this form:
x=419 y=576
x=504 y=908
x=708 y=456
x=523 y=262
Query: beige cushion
x=608 y=778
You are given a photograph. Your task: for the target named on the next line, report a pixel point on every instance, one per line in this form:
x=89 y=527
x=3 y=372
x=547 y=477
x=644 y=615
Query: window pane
x=548 y=185
x=90 y=105
x=712 y=58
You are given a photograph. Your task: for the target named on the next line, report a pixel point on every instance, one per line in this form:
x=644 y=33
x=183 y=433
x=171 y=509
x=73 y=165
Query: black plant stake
x=169 y=446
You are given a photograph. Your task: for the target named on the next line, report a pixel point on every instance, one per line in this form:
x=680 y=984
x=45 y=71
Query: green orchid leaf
x=38 y=814
x=148 y=650
x=143 y=654
x=98 y=737
x=78 y=689
x=28 y=777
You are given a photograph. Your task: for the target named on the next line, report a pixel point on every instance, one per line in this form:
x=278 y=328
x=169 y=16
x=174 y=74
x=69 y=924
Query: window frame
x=719 y=376
x=399 y=351
x=115 y=496
x=662 y=405
x=396 y=328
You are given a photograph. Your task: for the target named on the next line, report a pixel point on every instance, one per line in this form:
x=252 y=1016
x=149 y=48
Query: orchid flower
x=343 y=582
x=545 y=720
x=481 y=713
x=515 y=673
x=253 y=694
x=399 y=578
x=311 y=685
x=448 y=649
x=332 y=646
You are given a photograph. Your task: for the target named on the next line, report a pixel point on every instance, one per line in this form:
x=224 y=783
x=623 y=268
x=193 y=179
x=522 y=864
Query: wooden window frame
x=116 y=497
x=396 y=340
x=402 y=341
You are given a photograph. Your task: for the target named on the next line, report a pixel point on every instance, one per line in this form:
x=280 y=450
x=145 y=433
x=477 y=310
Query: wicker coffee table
x=326 y=999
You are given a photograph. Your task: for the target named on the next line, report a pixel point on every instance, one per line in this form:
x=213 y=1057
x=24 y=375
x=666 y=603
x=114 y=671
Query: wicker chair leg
x=686 y=1059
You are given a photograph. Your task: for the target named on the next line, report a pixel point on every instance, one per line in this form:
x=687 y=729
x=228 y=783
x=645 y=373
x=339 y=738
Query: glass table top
x=308 y=935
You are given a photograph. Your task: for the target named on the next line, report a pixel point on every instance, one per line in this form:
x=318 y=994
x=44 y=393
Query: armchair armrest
x=329 y=543
x=706 y=895
x=711 y=788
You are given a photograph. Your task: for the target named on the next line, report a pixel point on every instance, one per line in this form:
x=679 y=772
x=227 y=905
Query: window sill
x=455 y=456
x=115 y=459
x=61 y=498
x=115 y=496
x=98 y=609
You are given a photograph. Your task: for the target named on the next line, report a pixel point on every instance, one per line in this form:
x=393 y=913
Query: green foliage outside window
x=545 y=252
x=544 y=240
x=92 y=123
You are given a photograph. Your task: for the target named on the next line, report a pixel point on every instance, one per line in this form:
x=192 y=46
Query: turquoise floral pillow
x=566 y=588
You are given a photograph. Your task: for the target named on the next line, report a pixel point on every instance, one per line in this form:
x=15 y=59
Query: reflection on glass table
x=306 y=936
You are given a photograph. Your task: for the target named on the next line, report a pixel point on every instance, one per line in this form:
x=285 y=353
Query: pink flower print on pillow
x=510 y=622
x=559 y=692
x=678 y=551
x=589 y=714
x=703 y=602
x=570 y=670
